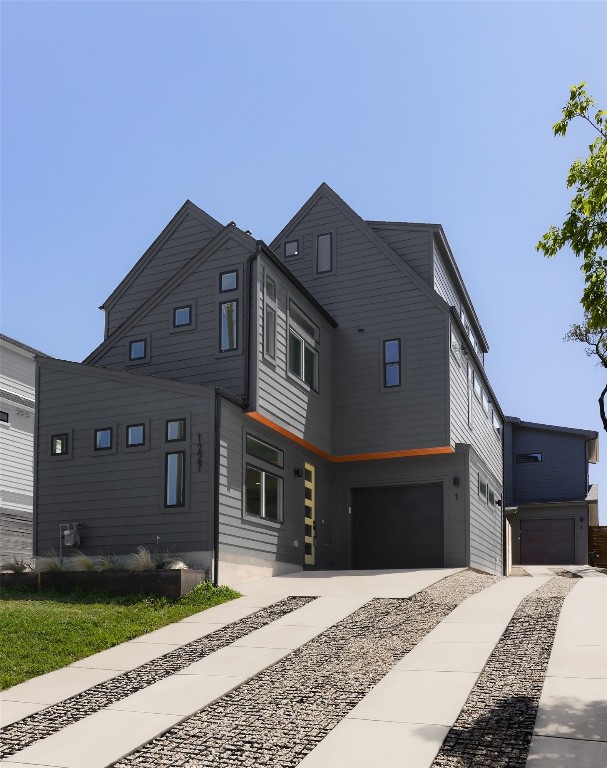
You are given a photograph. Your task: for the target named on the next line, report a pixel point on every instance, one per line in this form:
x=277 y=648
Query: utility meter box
x=71 y=537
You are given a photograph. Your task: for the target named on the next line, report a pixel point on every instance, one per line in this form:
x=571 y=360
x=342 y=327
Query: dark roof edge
x=21 y=345
x=589 y=433
x=404 y=224
x=281 y=267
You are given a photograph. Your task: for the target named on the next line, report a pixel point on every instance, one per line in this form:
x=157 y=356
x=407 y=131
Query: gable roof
x=188 y=208
x=229 y=231
x=325 y=190
x=20 y=345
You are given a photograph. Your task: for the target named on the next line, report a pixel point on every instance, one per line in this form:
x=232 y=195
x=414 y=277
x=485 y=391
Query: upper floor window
x=269 y=335
x=324 y=253
x=182 y=316
x=103 y=439
x=59 y=445
x=228 y=332
x=482 y=487
x=303 y=359
x=4 y=416
x=477 y=385
x=138 y=349
x=392 y=363
x=455 y=344
x=528 y=458
x=485 y=401
x=292 y=248
x=497 y=424
x=228 y=281
x=135 y=435
x=175 y=430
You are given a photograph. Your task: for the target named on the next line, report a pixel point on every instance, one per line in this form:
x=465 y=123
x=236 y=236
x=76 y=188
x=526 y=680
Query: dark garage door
x=398 y=527
x=548 y=542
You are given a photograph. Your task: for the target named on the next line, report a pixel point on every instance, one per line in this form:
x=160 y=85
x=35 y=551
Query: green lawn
x=40 y=632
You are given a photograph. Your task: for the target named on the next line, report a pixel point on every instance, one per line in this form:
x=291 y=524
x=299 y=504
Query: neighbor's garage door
x=398 y=527
x=548 y=542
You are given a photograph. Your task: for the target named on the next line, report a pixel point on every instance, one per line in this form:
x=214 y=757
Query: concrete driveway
x=215 y=676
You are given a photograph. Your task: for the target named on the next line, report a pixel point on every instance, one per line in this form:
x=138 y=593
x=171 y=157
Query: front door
x=310 y=515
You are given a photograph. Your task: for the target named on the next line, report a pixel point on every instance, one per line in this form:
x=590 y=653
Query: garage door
x=548 y=542
x=398 y=527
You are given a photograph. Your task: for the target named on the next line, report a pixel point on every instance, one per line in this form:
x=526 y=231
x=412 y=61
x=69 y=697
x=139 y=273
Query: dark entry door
x=398 y=527
x=548 y=542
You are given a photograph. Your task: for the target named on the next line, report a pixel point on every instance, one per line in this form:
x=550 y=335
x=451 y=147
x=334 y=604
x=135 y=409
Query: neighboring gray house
x=321 y=402
x=549 y=500
x=17 y=408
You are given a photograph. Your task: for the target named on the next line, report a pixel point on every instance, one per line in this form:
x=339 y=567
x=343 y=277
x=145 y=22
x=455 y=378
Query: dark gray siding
x=281 y=397
x=187 y=237
x=393 y=472
x=411 y=243
x=119 y=496
x=562 y=473
x=485 y=520
x=373 y=297
x=191 y=355
x=254 y=539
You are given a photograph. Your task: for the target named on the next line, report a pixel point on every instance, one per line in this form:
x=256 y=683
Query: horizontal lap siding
x=119 y=497
x=485 y=523
x=279 y=397
x=15 y=533
x=190 y=236
x=368 y=290
x=17 y=372
x=413 y=245
x=192 y=355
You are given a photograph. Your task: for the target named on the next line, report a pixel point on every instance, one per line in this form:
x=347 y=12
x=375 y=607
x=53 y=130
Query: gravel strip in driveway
x=21 y=734
x=495 y=726
x=280 y=715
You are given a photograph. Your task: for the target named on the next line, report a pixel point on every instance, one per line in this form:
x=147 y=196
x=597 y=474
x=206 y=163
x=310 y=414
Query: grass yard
x=42 y=631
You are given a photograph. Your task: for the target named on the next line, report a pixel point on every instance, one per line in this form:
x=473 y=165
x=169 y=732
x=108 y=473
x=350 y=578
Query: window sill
x=262 y=521
x=301 y=384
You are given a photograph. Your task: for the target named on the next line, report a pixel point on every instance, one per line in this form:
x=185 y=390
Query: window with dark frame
x=391 y=363
x=174 y=479
x=324 y=253
x=175 y=430
x=528 y=458
x=269 y=334
x=303 y=360
x=135 y=435
x=263 y=496
x=482 y=487
x=182 y=316
x=291 y=248
x=264 y=451
x=59 y=445
x=4 y=416
x=103 y=439
x=228 y=281
x=137 y=349
x=228 y=333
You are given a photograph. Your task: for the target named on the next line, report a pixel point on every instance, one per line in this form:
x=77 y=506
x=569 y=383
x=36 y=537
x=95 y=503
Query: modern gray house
x=549 y=501
x=320 y=402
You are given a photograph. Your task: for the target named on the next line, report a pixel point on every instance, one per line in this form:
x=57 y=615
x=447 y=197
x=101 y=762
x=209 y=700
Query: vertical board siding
x=410 y=243
x=368 y=291
x=485 y=522
x=562 y=473
x=189 y=237
x=251 y=538
x=280 y=396
x=192 y=355
x=119 y=496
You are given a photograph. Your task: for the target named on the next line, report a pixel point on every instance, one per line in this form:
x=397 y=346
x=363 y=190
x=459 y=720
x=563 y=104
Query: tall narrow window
x=174 y=479
x=303 y=360
x=59 y=445
x=269 y=334
x=470 y=398
x=228 y=311
x=392 y=363
x=324 y=253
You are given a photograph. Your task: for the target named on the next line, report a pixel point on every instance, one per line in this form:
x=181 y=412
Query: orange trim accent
x=440 y=450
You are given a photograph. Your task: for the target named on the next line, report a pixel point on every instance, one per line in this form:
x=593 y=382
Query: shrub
x=52 y=563
x=15 y=565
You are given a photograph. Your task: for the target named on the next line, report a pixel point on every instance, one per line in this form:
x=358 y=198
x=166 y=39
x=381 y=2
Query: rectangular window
x=303 y=321
x=182 y=316
x=470 y=387
x=270 y=289
x=137 y=349
x=4 y=416
x=228 y=333
x=528 y=458
x=59 y=445
x=175 y=430
x=477 y=385
x=497 y=424
x=135 y=435
x=485 y=401
x=482 y=487
x=303 y=360
x=174 y=479
x=228 y=281
x=264 y=451
x=324 y=253
x=103 y=439
x=491 y=498
x=392 y=363
x=263 y=494
x=291 y=248
x=455 y=344
x=270 y=333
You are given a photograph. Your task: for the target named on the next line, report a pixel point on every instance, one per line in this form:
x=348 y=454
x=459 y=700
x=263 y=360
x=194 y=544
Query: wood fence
x=597 y=542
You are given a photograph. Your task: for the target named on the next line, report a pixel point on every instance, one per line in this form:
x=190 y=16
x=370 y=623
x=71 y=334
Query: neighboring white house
x=17 y=408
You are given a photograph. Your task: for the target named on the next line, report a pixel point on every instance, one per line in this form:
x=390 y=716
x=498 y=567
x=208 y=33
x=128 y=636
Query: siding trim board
x=434 y=451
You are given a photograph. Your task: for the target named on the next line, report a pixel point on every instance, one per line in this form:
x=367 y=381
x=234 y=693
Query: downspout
x=216 y=460
x=249 y=319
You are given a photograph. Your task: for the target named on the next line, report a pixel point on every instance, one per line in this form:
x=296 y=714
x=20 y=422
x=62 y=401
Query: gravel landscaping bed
x=280 y=715
x=496 y=723
x=22 y=733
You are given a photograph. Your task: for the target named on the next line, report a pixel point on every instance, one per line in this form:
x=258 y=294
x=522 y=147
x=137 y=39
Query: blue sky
x=114 y=113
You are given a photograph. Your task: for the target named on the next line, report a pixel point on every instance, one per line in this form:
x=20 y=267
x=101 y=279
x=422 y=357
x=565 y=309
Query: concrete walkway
x=400 y=723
